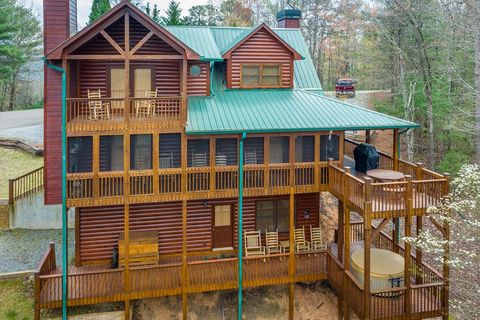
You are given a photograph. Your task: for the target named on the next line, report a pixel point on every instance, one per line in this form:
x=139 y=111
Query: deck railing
x=25 y=184
x=389 y=199
x=105 y=188
x=85 y=114
x=107 y=285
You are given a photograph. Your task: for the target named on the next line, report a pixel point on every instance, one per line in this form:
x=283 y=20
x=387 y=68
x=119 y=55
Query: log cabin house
x=156 y=120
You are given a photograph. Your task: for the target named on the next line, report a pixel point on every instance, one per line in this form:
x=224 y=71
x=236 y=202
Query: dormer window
x=261 y=75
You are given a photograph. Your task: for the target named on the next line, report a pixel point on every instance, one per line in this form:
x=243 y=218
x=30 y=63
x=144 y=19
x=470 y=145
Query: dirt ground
x=312 y=301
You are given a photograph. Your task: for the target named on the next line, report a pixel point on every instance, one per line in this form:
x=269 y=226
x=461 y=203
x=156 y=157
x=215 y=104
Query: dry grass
x=16 y=301
x=14 y=163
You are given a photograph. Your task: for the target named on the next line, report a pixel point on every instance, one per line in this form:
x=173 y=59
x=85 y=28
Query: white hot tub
x=386 y=269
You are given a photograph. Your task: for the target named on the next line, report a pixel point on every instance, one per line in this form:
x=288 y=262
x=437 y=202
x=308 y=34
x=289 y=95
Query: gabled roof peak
x=248 y=33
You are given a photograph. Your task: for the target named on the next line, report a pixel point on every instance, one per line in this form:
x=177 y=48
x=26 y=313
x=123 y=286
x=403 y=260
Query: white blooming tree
x=461 y=210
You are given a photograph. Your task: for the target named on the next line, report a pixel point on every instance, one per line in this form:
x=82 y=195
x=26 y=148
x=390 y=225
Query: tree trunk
x=13 y=91
x=477 y=94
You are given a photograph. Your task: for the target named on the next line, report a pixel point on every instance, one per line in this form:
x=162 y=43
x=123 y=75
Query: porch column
x=346 y=263
x=291 y=260
x=368 y=137
x=395 y=157
x=126 y=167
x=291 y=265
x=184 y=189
x=367 y=225
x=419 y=223
x=408 y=254
x=446 y=256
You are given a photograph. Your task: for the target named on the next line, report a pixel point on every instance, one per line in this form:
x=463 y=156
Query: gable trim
x=123 y=8
x=263 y=26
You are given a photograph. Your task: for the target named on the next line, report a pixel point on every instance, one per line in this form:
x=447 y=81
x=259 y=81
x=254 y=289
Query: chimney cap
x=289 y=14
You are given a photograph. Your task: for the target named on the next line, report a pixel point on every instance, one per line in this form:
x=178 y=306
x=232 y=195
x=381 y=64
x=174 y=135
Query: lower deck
x=219 y=271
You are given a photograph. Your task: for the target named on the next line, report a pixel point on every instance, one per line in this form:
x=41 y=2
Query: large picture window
x=273 y=215
x=80 y=154
x=261 y=75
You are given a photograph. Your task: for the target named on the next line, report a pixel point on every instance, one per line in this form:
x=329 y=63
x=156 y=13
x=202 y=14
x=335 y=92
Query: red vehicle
x=345 y=87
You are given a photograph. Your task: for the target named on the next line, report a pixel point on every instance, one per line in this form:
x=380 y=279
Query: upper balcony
x=104 y=114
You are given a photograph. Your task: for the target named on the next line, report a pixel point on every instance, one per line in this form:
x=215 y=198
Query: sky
x=84 y=6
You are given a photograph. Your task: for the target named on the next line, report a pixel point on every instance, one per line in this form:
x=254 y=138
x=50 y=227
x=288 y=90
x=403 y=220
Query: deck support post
x=183 y=164
x=126 y=166
x=446 y=256
x=291 y=260
x=240 y=228
x=368 y=137
x=408 y=247
x=184 y=261
x=346 y=261
x=367 y=225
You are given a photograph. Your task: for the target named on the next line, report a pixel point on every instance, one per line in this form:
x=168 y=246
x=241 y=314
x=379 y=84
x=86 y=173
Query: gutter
x=240 y=228
x=64 y=188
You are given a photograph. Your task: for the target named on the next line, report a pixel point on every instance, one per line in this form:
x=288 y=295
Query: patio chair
x=273 y=246
x=199 y=159
x=299 y=238
x=250 y=157
x=253 y=243
x=97 y=109
x=166 y=160
x=316 y=239
x=146 y=108
x=221 y=159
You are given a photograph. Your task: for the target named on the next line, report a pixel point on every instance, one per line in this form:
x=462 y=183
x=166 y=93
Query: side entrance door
x=222 y=226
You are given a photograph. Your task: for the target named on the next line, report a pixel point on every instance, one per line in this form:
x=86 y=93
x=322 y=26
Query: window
x=329 y=147
x=170 y=151
x=80 y=154
x=253 y=150
x=273 y=215
x=262 y=75
x=226 y=152
x=141 y=152
x=304 y=149
x=279 y=149
x=111 y=153
x=142 y=81
x=198 y=153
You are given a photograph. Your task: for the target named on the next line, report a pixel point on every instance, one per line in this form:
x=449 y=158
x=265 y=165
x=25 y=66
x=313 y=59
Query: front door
x=222 y=226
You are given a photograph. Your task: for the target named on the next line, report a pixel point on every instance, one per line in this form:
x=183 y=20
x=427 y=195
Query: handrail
x=25 y=184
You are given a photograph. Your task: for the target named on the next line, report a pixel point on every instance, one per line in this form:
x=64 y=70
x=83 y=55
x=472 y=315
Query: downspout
x=240 y=228
x=64 y=188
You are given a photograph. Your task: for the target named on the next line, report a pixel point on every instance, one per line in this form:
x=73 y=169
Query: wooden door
x=142 y=81
x=117 y=86
x=222 y=226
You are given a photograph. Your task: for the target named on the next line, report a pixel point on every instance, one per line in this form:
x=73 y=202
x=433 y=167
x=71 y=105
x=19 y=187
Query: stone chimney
x=289 y=18
x=59 y=22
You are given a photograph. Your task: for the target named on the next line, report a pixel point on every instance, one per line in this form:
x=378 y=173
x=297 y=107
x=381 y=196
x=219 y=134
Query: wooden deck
x=423 y=300
x=88 y=285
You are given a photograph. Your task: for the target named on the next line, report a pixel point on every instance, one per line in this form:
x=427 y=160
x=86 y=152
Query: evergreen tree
x=147 y=9
x=173 y=15
x=155 y=14
x=99 y=7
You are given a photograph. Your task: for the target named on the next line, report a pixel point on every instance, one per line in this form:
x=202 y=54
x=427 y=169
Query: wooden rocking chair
x=97 y=109
x=146 y=108
x=316 y=239
x=273 y=246
x=253 y=243
x=299 y=238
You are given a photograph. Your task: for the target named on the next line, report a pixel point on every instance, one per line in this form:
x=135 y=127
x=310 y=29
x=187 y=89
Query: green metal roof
x=280 y=110
x=211 y=42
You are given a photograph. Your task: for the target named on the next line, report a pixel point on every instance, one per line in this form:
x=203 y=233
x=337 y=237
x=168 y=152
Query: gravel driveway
x=21 y=249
